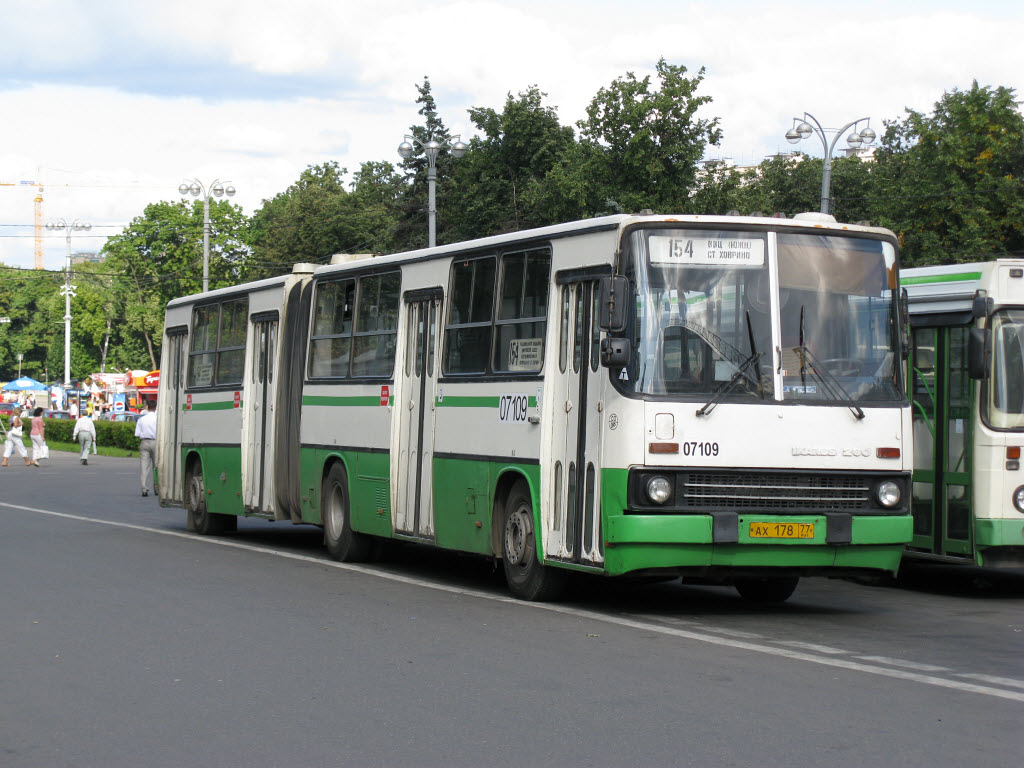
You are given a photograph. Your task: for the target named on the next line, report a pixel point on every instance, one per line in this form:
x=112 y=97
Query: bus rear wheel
x=527 y=578
x=341 y=541
x=200 y=519
x=773 y=590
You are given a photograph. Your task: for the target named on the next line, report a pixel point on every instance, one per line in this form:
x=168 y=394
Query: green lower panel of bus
x=369 y=485
x=639 y=541
x=999 y=543
x=222 y=476
x=464 y=499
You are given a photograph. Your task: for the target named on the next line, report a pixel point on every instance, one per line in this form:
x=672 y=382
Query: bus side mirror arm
x=979 y=352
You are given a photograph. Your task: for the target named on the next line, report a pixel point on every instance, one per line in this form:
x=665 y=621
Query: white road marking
x=812 y=647
x=622 y=621
x=904 y=663
x=993 y=679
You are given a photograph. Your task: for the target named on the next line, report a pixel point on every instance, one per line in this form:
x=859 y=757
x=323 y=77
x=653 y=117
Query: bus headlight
x=888 y=493
x=1018 y=498
x=659 y=489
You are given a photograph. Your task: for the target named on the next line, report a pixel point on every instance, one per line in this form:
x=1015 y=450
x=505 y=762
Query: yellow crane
x=37 y=218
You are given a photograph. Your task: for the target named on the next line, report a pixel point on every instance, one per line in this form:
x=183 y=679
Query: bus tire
x=527 y=578
x=774 y=590
x=341 y=541
x=200 y=519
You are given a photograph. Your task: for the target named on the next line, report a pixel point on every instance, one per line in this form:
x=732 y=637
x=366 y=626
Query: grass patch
x=104 y=450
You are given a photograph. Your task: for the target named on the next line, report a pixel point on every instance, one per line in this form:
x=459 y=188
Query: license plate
x=781 y=530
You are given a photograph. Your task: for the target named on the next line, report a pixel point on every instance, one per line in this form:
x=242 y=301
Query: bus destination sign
x=726 y=249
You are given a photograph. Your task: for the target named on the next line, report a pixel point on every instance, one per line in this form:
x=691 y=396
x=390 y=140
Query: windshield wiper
x=833 y=388
x=752 y=361
x=829 y=383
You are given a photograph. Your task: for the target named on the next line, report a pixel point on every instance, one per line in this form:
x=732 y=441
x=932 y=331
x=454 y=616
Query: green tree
x=159 y=257
x=411 y=231
x=645 y=142
x=501 y=185
x=949 y=183
x=317 y=217
x=28 y=298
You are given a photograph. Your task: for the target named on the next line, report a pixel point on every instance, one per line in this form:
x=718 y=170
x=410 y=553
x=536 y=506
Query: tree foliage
x=950 y=183
x=947 y=182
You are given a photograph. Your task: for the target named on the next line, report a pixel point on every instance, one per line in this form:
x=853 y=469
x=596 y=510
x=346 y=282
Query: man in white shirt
x=145 y=430
x=85 y=434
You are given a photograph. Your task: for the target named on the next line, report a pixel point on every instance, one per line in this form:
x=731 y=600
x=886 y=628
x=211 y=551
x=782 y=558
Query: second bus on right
x=966 y=379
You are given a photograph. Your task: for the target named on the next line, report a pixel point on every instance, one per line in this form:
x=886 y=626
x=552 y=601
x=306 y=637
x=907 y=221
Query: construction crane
x=40 y=260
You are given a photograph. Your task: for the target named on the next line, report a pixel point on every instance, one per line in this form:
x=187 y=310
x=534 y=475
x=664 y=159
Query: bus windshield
x=1005 y=401
x=703 y=320
x=703 y=313
x=838 y=317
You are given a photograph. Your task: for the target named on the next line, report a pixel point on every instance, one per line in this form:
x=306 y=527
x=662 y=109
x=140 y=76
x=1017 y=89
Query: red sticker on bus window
x=238 y=399
x=188 y=402
x=385 y=394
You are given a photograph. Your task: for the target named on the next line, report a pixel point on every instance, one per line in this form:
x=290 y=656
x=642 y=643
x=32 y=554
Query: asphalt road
x=128 y=641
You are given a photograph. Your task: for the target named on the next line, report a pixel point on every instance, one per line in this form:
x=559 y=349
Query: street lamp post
x=431 y=149
x=859 y=137
x=78 y=225
x=216 y=189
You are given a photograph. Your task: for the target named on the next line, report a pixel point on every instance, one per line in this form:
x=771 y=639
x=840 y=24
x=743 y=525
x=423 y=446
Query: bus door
x=169 y=413
x=574 y=527
x=258 y=417
x=941 y=396
x=414 y=513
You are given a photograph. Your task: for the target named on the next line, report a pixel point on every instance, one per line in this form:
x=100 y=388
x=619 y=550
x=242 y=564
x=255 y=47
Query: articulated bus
x=966 y=378
x=716 y=398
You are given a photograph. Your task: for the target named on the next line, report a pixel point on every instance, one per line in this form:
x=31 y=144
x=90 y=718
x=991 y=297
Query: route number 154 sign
x=725 y=249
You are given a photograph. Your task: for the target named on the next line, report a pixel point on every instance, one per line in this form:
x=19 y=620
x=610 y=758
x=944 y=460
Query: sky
x=111 y=104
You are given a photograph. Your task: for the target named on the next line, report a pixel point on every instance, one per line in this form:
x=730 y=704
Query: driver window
x=684 y=360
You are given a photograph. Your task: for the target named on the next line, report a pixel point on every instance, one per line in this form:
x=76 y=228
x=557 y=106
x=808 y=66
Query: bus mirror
x=979 y=351
x=614 y=301
x=905 y=323
x=614 y=352
x=982 y=306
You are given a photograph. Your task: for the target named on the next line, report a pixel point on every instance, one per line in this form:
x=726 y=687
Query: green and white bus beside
x=966 y=378
x=717 y=398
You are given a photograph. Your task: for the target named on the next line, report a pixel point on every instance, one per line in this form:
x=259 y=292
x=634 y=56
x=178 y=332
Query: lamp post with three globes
x=858 y=137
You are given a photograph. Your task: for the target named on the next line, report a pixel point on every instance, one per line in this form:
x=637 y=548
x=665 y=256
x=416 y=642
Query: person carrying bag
x=14 y=442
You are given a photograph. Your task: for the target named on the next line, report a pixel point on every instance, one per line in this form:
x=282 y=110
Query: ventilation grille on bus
x=783 y=492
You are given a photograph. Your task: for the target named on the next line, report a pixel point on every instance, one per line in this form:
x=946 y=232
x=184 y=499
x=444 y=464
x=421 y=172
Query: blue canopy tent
x=23 y=384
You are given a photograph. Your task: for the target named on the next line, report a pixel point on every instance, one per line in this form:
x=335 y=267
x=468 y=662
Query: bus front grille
x=781 y=492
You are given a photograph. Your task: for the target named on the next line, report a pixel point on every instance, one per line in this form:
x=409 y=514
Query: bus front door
x=414 y=512
x=258 y=419
x=574 y=406
x=942 y=405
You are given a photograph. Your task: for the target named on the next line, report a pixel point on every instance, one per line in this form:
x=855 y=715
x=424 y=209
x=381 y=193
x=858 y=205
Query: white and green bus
x=966 y=378
x=717 y=398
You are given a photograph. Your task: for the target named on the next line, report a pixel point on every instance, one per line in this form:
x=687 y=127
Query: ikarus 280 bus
x=966 y=379
x=717 y=398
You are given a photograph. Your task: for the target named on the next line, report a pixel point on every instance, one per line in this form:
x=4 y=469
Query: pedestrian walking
x=145 y=430
x=85 y=434
x=13 y=441
x=39 y=449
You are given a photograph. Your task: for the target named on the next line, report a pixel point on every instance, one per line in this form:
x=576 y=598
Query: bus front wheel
x=341 y=541
x=200 y=519
x=774 y=590
x=526 y=577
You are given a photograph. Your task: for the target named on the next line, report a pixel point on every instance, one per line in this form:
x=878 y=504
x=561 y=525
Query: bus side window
x=467 y=345
x=522 y=314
